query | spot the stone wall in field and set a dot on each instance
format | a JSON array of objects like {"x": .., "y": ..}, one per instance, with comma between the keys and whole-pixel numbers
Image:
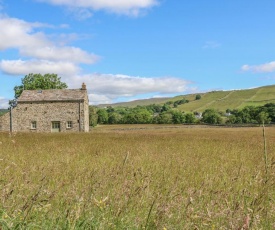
[{"x": 45, "y": 113}]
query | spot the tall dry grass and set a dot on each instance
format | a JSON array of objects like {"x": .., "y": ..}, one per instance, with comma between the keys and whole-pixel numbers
[{"x": 138, "y": 178}]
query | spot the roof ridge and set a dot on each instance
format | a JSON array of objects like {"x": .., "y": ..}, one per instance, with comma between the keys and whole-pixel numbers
[{"x": 53, "y": 95}]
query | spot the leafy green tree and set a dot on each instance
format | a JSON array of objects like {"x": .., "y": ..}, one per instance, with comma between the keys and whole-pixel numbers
[
  {"x": 138, "y": 116},
  {"x": 93, "y": 117},
  {"x": 211, "y": 116},
  {"x": 270, "y": 109},
  {"x": 190, "y": 118},
  {"x": 144, "y": 117},
  {"x": 39, "y": 81},
  {"x": 164, "y": 118},
  {"x": 198, "y": 97},
  {"x": 180, "y": 102},
  {"x": 154, "y": 108},
  {"x": 177, "y": 117},
  {"x": 102, "y": 116},
  {"x": 114, "y": 118},
  {"x": 165, "y": 107},
  {"x": 110, "y": 109},
  {"x": 263, "y": 118},
  {"x": 231, "y": 119}
]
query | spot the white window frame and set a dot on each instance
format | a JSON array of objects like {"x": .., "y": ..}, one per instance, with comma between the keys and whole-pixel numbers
[
  {"x": 69, "y": 124},
  {"x": 33, "y": 125}
]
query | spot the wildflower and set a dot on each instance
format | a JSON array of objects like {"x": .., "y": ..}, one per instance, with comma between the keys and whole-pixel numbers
[{"x": 101, "y": 203}]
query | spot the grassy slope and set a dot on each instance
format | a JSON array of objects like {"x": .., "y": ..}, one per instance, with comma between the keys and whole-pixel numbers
[
  {"x": 220, "y": 100},
  {"x": 3, "y": 111},
  {"x": 146, "y": 178}
]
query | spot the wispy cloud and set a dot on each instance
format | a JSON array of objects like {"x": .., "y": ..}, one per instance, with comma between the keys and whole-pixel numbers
[
  {"x": 21, "y": 67},
  {"x": 263, "y": 68},
  {"x": 126, "y": 7},
  {"x": 108, "y": 87},
  {"x": 211, "y": 45},
  {"x": 80, "y": 14},
  {"x": 54, "y": 53}
]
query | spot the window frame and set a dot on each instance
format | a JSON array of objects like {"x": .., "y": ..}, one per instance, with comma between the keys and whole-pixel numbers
[
  {"x": 69, "y": 124},
  {"x": 33, "y": 125}
]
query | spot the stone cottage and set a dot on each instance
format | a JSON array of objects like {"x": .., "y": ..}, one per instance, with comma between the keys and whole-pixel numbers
[{"x": 51, "y": 110}]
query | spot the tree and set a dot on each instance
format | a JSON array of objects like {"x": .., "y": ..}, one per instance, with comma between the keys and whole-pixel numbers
[
  {"x": 165, "y": 107},
  {"x": 211, "y": 116},
  {"x": 138, "y": 116},
  {"x": 262, "y": 118},
  {"x": 198, "y": 97},
  {"x": 178, "y": 117},
  {"x": 102, "y": 116},
  {"x": 39, "y": 81},
  {"x": 114, "y": 118},
  {"x": 93, "y": 116},
  {"x": 190, "y": 118},
  {"x": 164, "y": 118}
]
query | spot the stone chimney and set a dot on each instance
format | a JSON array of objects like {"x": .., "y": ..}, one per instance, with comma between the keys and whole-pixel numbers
[{"x": 83, "y": 86}]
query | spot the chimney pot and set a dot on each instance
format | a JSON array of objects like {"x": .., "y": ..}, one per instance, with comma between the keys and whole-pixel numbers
[{"x": 83, "y": 86}]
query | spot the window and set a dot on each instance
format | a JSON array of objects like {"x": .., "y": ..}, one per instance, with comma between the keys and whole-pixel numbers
[
  {"x": 69, "y": 124},
  {"x": 33, "y": 125}
]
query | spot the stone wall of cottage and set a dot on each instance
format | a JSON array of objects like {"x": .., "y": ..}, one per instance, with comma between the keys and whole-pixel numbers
[
  {"x": 44, "y": 113},
  {"x": 86, "y": 115},
  {"x": 5, "y": 122}
]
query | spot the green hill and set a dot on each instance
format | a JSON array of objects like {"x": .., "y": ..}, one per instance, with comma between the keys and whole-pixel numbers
[
  {"x": 3, "y": 111},
  {"x": 221, "y": 100}
]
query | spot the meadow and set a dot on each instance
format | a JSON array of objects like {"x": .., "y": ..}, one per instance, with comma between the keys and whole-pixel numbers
[{"x": 139, "y": 177}]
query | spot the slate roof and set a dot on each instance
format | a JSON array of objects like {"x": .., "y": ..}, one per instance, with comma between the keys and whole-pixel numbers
[{"x": 52, "y": 95}]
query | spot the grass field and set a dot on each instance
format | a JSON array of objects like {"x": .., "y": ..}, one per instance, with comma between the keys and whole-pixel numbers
[{"x": 139, "y": 177}]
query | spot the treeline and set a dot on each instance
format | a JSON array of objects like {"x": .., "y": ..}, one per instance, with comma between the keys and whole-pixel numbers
[
  {"x": 169, "y": 114},
  {"x": 252, "y": 114}
]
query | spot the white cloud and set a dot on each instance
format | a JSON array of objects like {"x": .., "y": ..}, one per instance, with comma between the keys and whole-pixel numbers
[
  {"x": 127, "y": 7},
  {"x": 80, "y": 13},
  {"x": 19, "y": 34},
  {"x": 20, "y": 67},
  {"x": 4, "y": 103},
  {"x": 264, "y": 68},
  {"x": 96, "y": 99},
  {"x": 107, "y": 87},
  {"x": 53, "y": 53},
  {"x": 45, "y": 54},
  {"x": 16, "y": 33}
]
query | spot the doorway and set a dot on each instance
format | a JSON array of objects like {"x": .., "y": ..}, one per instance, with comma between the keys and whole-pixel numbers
[{"x": 55, "y": 126}]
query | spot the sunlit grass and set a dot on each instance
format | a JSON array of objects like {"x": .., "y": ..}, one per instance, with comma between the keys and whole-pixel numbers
[{"x": 134, "y": 177}]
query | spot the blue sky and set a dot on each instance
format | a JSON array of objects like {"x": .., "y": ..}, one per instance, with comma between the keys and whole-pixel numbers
[{"x": 130, "y": 49}]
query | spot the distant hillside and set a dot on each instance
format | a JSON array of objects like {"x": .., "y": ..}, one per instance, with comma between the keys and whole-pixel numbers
[
  {"x": 220, "y": 100},
  {"x": 3, "y": 111},
  {"x": 135, "y": 103}
]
